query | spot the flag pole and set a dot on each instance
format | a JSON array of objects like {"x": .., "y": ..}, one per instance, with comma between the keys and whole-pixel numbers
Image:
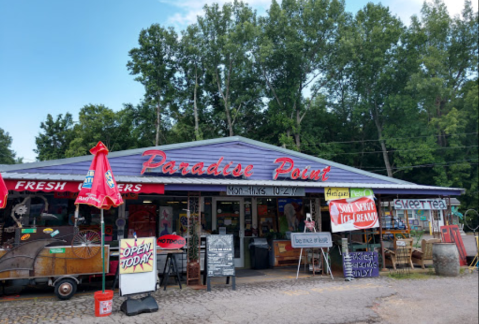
[{"x": 102, "y": 252}]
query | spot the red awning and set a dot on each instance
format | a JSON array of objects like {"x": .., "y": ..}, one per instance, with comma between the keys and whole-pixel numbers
[{"x": 75, "y": 186}]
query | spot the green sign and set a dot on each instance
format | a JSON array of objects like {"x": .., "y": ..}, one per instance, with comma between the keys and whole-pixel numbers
[
  {"x": 360, "y": 192},
  {"x": 57, "y": 250},
  {"x": 29, "y": 230}
]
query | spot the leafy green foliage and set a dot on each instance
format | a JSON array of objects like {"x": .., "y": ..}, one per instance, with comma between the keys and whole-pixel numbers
[
  {"x": 363, "y": 90},
  {"x": 7, "y": 155},
  {"x": 56, "y": 136}
]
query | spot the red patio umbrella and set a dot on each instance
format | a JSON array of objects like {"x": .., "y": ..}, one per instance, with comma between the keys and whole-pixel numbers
[
  {"x": 3, "y": 193},
  {"x": 100, "y": 190}
]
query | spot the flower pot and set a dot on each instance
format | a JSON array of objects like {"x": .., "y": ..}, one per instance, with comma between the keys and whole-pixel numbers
[{"x": 445, "y": 259}]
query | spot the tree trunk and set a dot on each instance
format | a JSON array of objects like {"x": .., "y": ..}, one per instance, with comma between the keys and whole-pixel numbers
[
  {"x": 228, "y": 117},
  {"x": 197, "y": 129},
  {"x": 157, "y": 124},
  {"x": 297, "y": 136},
  {"x": 383, "y": 144}
]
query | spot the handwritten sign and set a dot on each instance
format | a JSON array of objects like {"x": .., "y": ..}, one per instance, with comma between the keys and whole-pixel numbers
[
  {"x": 422, "y": 204},
  {"x": 353, "y": 214},
  {"x": 360, "y": 192},
  {"x": 136, "y": 256},
  {"x": 363, "y": 264},
  {"x": 336, "y": 193},
  {"x": 311, "y": 240},
  {"x": 220, "y": 254}
]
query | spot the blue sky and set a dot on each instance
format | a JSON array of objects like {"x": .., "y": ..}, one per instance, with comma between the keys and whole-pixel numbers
[{"x": 57, "y": 56}]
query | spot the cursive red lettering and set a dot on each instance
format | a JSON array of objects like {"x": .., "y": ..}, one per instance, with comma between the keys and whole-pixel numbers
[
  {"x": 213, "y": 168},
  {"x": 225, "y": 169},
  {"x": 248, "y": 171},
  {"x": 295, "y": 174},
  {"x": 282, "y": 169},
  {"x": 325, "y": 172},
  {"x": 184, "y": 168},
  {"x": 149, "y": 163},
  {"x": 237, "y": 171},
  {"x": 198, "y": 168},
  {"x": 169, "y": 167}
]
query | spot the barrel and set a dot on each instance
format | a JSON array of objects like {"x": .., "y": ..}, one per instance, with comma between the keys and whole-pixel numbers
[{"x": 445, "y": 259}]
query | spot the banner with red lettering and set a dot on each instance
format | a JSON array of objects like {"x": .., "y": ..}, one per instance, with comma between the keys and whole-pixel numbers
[
  {"x": 75, "y": 186},
  {"x": 353, "y": 214}
]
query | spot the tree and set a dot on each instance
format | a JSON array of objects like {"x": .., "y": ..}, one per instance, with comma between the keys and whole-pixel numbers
[
  {"x": 99, "y": 123},
  {"x": 296, "y": 53},
  {"x": 227, "y": 35},
  {"x": 54, "y": 139},
  {"x": 154, "y": 61},
  {"x": 7, "y": 155},
  {"x": 378, "y": 68},
  {"x": 192, "y": 69}
]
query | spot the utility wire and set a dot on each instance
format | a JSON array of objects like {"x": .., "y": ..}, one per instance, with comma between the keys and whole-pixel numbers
[
  {"x": 386, "y": 139},
  {"x": 391, "y": 151},
  {"x": 445, "y": 163},
  {"x": 420, "y": 166}
]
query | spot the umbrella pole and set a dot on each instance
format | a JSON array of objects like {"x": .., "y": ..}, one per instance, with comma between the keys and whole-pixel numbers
[{"x": 102, "y": 252}]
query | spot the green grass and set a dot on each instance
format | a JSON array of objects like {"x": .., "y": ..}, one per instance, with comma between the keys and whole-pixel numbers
[{"x": 411, "y": 275}]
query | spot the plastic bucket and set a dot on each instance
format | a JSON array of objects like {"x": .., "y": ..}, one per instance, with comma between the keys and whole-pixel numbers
[{"x": 103, "y": 303}]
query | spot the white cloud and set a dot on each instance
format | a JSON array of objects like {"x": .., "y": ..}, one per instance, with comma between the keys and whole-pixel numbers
[
  {"x": 190, "y": 9},
  {"x": 405, "y": 9}
]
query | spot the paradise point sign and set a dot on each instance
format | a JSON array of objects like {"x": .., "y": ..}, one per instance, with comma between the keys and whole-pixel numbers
[{"x": 285, "y": 169}]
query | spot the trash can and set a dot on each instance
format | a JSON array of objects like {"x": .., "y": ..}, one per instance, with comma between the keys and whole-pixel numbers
[{"x": 259, "y": 253}]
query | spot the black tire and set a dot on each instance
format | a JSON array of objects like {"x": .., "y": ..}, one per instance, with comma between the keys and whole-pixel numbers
[{"x": 65, "y": 288}]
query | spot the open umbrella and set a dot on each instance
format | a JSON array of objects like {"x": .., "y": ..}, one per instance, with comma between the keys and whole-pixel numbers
[
  {"x": 3, "y": 193},
  {"x": 100, "y": 190}
]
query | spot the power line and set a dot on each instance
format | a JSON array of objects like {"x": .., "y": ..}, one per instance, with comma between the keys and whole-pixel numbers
[
  {"x": 420, "y": 166},
  {"x": 392, "y": 151},
  {"x": 386, "y": 139},
  {"x": 445, "y": 163}
]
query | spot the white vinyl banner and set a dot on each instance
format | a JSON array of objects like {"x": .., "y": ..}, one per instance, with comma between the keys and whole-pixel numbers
[{"x": 353, "y": 214}]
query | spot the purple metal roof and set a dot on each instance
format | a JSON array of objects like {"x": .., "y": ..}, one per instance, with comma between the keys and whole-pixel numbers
[{"x": 237, "y": 152}]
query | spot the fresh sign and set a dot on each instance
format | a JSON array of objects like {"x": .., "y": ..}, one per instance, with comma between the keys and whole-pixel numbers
[
  {"x": 353, "y": 214},
  {"x": 358, "y": 192}
]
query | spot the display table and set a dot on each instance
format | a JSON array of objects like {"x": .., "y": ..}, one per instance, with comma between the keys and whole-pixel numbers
[{"x": 283, "y": 254}]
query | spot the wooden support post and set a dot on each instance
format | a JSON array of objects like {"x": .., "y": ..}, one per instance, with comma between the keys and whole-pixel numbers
[{"x": 380, "y": 215}]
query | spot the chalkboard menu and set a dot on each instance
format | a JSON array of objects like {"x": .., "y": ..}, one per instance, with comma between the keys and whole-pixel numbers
[
  {"x": 220, "y": 256},
  {"x": 363, "y": 264}
]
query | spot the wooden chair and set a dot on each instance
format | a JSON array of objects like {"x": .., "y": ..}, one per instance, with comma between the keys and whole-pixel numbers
[
  {"x": 405, "y": 246},
  {"x": 424, "y": 255}
]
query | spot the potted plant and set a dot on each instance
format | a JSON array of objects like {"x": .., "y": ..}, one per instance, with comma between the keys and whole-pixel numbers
[{"x": 193, "y": 269}]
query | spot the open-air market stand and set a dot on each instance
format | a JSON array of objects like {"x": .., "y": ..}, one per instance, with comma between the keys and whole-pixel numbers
[{"x": 233, "y": 185}]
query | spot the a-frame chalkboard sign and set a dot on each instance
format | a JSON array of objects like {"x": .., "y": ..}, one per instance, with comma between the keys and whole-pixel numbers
[{"x": 220, "y": 259}]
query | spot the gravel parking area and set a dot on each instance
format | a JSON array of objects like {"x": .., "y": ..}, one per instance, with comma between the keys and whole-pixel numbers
[{"x": 312, "y": 300}]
